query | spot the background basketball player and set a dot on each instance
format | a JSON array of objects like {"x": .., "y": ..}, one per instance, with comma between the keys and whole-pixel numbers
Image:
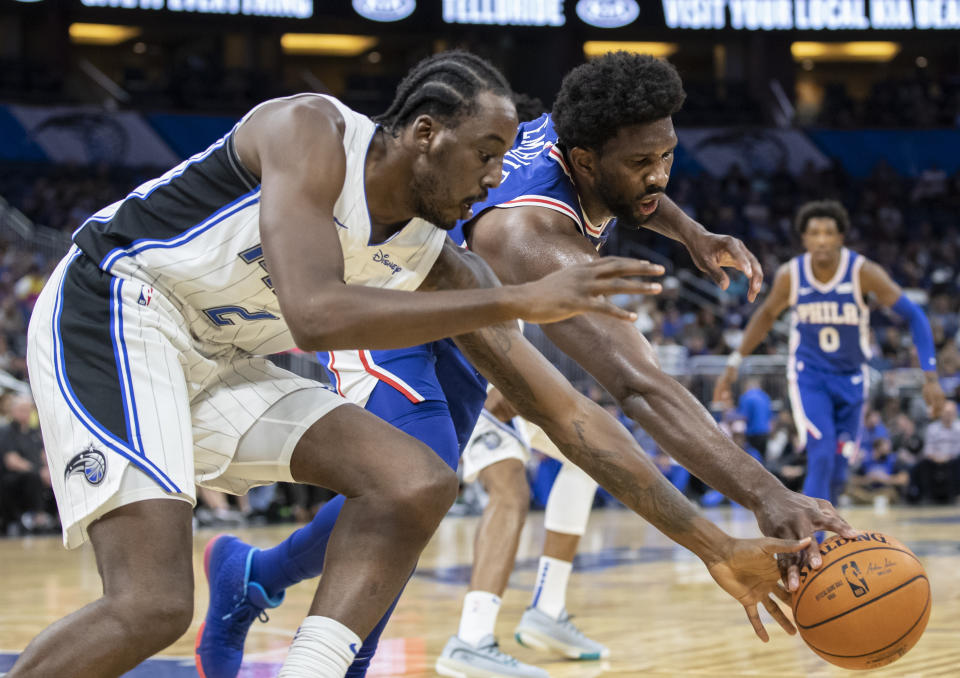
[{"x": 826, "y": 288}]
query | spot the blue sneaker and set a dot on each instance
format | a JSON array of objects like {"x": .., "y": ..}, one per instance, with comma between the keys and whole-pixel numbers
[{"x": 235, "y": 602}]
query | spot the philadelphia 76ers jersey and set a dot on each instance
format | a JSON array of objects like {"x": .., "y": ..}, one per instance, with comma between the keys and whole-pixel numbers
[
  {"x": 193, "y": 234},
  {"x": 830, "y": 325},
  {"x": 535, "y": 174}
]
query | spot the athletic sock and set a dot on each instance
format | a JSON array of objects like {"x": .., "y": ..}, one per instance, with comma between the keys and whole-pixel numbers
[
  {"x": 299, "y": 556},
  {"x": 322, "y": 648},
  {"x": 480, "y": 610},
  {"x": 550, "y": 594}
]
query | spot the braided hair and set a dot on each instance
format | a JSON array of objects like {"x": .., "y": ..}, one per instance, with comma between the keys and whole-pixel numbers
[{"x": 445, "y": 86}]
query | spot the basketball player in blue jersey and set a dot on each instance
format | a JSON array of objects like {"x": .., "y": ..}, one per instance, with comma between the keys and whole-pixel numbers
[
  {"x": 307, "y": 225},
  {"x": 605, "y": 153},
  {"x": 826, "y": 289}
]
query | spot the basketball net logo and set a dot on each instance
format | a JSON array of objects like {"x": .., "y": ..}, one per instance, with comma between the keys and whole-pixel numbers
[{"x": 851, "y": 572}]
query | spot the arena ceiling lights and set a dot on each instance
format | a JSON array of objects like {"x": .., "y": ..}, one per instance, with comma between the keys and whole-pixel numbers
[
  {"x": 327, "y": 44},
  {"x": 102, "y": 34},
  {"x": 595, "y": 48},
  {"x": 845, "y": 51}
]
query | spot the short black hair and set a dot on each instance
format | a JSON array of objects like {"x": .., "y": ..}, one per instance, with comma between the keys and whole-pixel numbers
[
  {"x": 600, "y": 97},
  {"x": 444, "y": 85},
  {"x": 830, "y": 209},
  {"x": 528, "y": 107}
]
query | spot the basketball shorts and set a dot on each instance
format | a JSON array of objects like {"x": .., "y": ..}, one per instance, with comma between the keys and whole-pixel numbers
[
  {"x": 493, "y": 441},
  {"x": 433, "y": 372},
  {"x": 132, "y": 409},
  {"x": 828, "y": 407}
]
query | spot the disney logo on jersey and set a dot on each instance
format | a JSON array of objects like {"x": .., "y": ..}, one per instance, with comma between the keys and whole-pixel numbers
[
  {"x": 90, "y": 463},
  {"x": 384, "y": 258}
]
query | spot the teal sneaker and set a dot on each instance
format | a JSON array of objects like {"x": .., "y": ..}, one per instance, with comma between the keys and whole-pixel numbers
[
  {"x": 462, "y": 660},
  {"x": 540, "y": 631}
]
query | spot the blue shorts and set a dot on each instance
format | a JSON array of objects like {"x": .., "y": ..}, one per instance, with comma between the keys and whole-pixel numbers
[
  {"x": 828, "y": 406},
  {"x": 436, "y": 372}
]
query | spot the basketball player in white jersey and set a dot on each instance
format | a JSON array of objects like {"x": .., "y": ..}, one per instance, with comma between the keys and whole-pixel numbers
[
  {"x": 827, "y": 288},
  {"x": 143, "y": 356}
]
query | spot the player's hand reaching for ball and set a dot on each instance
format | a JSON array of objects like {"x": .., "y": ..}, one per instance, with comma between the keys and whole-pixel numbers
[
  {"x": 585, "y": 287},
  {"x": 712, "y": 253},
  {"x": 748, "y": 571},
  {"x": 791, "y": 515}
]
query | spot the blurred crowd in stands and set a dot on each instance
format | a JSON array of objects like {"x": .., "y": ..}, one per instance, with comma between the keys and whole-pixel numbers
[
  {"x": 920, "y": 101},
  {"x": 909, "y": 226}
]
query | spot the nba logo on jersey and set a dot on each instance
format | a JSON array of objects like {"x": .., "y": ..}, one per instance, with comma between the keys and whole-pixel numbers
[{"x": 146, "y": 295}]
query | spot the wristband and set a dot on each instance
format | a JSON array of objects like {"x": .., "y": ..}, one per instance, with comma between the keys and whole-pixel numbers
[{"x": 734, "y": 360}]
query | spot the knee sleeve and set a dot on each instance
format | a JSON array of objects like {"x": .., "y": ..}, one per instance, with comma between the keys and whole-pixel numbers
[{"x": 571, "y": 498}]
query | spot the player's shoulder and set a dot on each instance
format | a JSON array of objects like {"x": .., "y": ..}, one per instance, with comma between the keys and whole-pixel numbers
[
  {"x": 318, "y": 115},
  {"x": 527, "y": 221},
  {"x": 785, "y": 270}
]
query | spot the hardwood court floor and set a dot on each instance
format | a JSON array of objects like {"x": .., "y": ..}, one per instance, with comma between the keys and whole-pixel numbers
[{"x": 653, "y": 604}]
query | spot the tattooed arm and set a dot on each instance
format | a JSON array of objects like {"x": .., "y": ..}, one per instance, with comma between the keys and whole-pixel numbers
[{"x": 602, "y": 447}]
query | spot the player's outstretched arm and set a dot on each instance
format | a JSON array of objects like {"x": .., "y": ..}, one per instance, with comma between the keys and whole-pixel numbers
[
  {"x": 756, "y": 330},
  {"x": 874, "y": 280},
  {"x": 521, "y": 242},
  {"x": 710, "y": 252},
  {"x": 595, "y": 441},
  {"x": 295, "y": 146}
]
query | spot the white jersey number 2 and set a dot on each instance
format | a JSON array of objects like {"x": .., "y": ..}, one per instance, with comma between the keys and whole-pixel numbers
[{"x": 829, "y": 339}]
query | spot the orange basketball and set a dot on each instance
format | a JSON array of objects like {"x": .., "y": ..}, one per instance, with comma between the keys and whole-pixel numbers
[{"x": 867, "y": 605}]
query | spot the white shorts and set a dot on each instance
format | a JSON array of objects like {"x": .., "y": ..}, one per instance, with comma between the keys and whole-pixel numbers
[
  {"x": 492, "y": 441},
  {"x": 131, "y": 408}
]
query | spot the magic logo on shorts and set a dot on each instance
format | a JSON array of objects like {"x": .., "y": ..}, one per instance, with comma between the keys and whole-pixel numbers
[{"x": 90, "y": 463}]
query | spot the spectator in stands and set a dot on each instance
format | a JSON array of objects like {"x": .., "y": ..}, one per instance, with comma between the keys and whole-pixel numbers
[
  {"x": 948, "y": 364},
  {"x": 11, "y": 363},
  {"x": 935, "y": 476},
  {"x": 907, "y": 443},
  {"x": 26, "y": 499},
  {"x": 754, "y": 407},
  {"x": 881, "y": 474},
  {"x": 785, "y": 459},
  {"x": 873, "y": 430}
]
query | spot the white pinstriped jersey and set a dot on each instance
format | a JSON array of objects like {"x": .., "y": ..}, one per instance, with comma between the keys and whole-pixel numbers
[{"x": 193, "y": 234}]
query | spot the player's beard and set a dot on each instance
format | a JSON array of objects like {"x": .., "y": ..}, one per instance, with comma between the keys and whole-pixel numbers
[
  {"x": 621, "y": 205},
  {"x": 429, "y": 197}
]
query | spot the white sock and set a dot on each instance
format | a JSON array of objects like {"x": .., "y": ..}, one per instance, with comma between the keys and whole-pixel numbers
[
  {"x": 480, "y": 610},
  {"x": 322, "y": 648},
  {"x": 550, "y": 593}
]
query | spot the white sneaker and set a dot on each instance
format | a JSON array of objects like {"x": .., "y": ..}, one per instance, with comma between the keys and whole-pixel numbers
[
  {"x": 462, "y": 660},
  {"x": 540, "y": 631}
]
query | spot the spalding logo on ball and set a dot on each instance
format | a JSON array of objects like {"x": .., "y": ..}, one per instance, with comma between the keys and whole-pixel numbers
[{"x": 867, "y": 605}]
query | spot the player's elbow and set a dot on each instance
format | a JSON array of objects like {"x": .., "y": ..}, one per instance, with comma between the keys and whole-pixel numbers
[{"x": 319, "y": 325}]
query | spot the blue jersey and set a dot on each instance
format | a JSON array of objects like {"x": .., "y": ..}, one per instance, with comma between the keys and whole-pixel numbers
[
  {"x": 830, "y": 326},
  {"x": 535, "y": 174}
]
